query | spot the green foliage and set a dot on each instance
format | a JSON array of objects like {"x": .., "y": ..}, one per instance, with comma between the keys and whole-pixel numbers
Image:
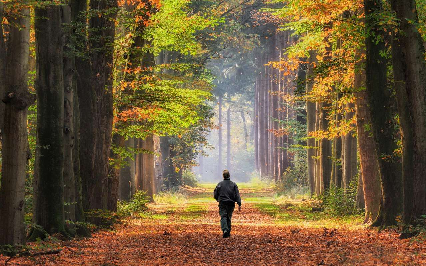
[
  {"x": 338, "y": 202},
  {"x": 189, "y": 179},
  {"x": 136, "y": 205},
  {"x": 174, "y": 28},
  {"x": 12, "y": 251},
  {"x": 170, "y": 198}
]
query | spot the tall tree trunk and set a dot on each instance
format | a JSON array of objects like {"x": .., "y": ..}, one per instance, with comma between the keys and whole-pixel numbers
[
  {"x": 246, "y": 135},
  {"x": 410, "y": 83},
  {"x": 228, "y": 139},
  {"x": 167, "y": 164},
  {"x": 337, "y": 168},
  {"x": 79, "y": 212},
  {"x": 367, "y": 150},
  {"x": 138, "y": 178},
  {"x": 349, "y": 146},
  {"x": 381, "y": 116},
  {"x": 49, "y": 185},
  {"x": 310, "y": 117},
  {"x": 78, "y": 17},
  {"x": 96, "y": 105},
  {"x": 15, "y": 138},
  {"x": 2, "y": 68},
  {"x": 219, "y": 163},
  {"x": 360, "y": 199},
  {"x": 262, "y": 122},
  {"x": 201, "y": 164},
  {"x": 325, "y": 151},
  {"x": 148, "y": 172},
  {"x": 69, "y": 133},
  {"x": 127, "y": 172},
  {"x": 256, "y": 124}
]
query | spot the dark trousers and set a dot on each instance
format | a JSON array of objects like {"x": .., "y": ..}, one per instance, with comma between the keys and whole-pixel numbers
[{"x": 225, "y": 211}]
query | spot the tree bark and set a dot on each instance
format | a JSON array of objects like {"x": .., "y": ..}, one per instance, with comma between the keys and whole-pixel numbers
[
  {"x": 49, "y": 184},
  {"x": 310, "y": 117},
  {"x": 3, "y": 63},
  {"x": 228, "y": 139},
  {"x": 379, "y": 100},
  {"x": 15, "y": 136},
  {"x": 69, "y": 133},
  {"x": 256, "y": 124},
  {"x": 219, "y": 163},
  {"x": 79, "y": 212},
  {"x": 369, "y": 172},
  {"x": 349, "y": 154},
  {"x": 96, "y": 105},
  {"x": 410, "y": 83},
  {"x": 127, "y": 172},
  {"x": 148, "y": 172},
  {"x": 246, "y": 135}
]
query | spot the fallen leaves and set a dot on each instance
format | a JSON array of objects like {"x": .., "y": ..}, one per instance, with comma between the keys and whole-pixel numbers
[{"x": 182, "y": 239}]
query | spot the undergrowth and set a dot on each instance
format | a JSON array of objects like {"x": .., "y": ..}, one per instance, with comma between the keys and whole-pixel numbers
[{"x": 136, "y": 205}]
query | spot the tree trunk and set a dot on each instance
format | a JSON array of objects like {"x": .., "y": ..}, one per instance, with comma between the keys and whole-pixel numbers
[
  {"x": 410, "y": 83},
  {"x": 79, "y": 212},
  {"x": 2, "y": 68},
  {"x": 148, "y": 183},
  {"x": 15, "y": 136},
  {"x": 310, "y": 117},
  {"x": 127, "y": 172},
  {"x": 169, "y": 173},
  {"x": 256, "y": 124},
  {"x": 49, "y": 185},
  {"x": 96, "y": 105},
  {"x": 138, "y": 178},
  {"x": 337, "y": 167},
  {"x": 379, "y": 100},
  {"x": 325, "y": 151},
  {"x": 219, "y": 163},
  {"x": 349, "y": 146},
  {"x": 360, "y": 202},
  {"x": 367, "y": 150},
  {"x": 262, "y": 121},
  {"x": 69, "y": 133},
  {"x": 246, "y": 135},
  {"x": 228, "y": 139}
]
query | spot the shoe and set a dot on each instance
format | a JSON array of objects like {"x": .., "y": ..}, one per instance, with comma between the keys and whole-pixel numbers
[{"x": 226, "y": 234}]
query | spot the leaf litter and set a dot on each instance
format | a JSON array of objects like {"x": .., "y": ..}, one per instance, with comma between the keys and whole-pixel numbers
[{"x": 191, "y": 236}]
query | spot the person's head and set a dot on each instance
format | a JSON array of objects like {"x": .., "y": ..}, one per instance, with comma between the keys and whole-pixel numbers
[{"x": 226, "y": 174}]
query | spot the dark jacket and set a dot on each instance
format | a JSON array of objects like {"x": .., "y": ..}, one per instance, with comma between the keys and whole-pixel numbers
[{"x": 227, "y": 191}]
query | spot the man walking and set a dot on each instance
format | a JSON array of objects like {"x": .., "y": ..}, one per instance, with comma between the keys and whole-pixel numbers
[{"x": 226, "y": 193}]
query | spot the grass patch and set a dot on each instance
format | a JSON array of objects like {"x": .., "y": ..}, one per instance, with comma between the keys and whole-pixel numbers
[
  {"x": 170, "y": 198},
  {"x": 154, "y": 216}
]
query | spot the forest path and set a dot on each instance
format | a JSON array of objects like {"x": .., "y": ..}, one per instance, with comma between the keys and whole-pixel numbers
[{"x": 186, "y": 231}]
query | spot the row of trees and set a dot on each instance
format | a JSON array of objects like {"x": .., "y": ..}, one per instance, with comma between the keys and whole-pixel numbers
[
  {"x": 363, "y": 85},
  {"x": 110, "y": 77}
]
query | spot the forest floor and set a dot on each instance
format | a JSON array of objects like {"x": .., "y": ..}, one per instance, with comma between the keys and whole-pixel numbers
[{"x": 184, "y": 230}]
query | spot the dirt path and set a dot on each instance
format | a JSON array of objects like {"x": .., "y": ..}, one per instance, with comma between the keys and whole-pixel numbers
[{"x": 189, "y": 234}]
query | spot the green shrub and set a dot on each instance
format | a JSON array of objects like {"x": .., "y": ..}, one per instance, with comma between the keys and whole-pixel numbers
[
  {"x": 189, "y": 179},
  {"x": 339, "y": 202},
  {"x": 135, "y": 205}
]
